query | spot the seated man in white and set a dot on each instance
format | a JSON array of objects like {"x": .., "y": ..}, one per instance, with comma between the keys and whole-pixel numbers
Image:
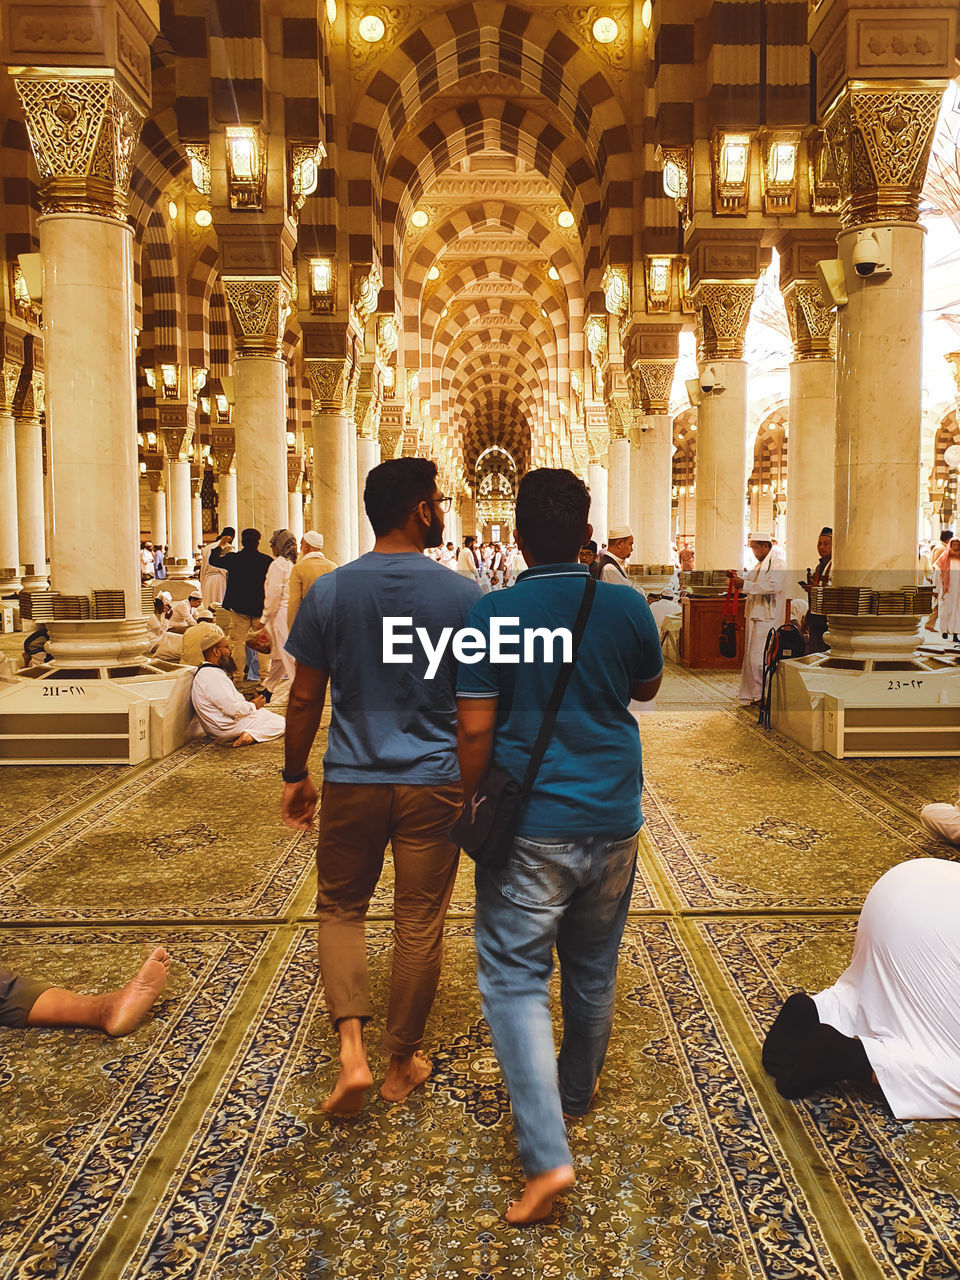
[{"x": 222, "y": 710}]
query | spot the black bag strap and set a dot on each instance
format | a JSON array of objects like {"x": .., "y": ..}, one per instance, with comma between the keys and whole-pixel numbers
[{"x": 559, "y": 689}]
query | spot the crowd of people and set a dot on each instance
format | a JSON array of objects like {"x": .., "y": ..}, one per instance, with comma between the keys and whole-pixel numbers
[{"x": 412, "y": 750}]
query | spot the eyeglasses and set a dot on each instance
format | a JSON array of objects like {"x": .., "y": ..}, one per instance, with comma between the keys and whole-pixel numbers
[{"x": 445, "y": 503}]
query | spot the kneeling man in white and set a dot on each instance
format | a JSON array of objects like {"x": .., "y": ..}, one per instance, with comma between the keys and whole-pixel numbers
[{"x": 222, "y": 710}]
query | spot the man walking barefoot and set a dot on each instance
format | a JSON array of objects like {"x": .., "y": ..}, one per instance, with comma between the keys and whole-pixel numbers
[
  {"x": 568, "y": 879},
  {"x": 390, "y": 771}
]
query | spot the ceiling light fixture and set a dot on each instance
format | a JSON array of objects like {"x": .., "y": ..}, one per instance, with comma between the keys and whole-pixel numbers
[
  {"x": 433, "y": 273},
  {"x": 565, "y": 218},
  {"x": 646, "y": 14},
  {"x": 371, "y": 28},
  {"x": 553, "y": 273},
  {"x": 605, "y": 30},
  {"x": 173, "y": 210},
  {"x": 203, "y": 217},
  {"x": 419, "y": 218}
]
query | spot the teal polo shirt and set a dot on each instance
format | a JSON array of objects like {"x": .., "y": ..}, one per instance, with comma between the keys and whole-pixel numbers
[{"x": 591, "y": 776}]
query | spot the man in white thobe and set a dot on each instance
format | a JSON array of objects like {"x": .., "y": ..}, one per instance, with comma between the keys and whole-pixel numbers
[
  {"x": 222, "y": 710},
  {"x": 765, "y": 591},
  {"x": 184, "y": 613},
  {"x": 469, "y": 562},
  {"x": 613, "y": 562},
  {"x": 213, "y": 581}
]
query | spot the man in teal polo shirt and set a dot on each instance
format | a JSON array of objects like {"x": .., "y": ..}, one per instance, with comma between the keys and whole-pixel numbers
[{"x": 569, "y": 878}]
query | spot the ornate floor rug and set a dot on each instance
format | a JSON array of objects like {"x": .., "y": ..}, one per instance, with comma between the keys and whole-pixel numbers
[
  {"x": 82, "y": 1113},
  {"x": 741, "y": 819},
  {"x": 900, "y": 1180},
  {"x": 675, "y": 1166}
]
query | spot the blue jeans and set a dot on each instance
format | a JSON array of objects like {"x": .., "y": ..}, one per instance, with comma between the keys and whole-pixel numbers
[{"x": 573, "y": 894}]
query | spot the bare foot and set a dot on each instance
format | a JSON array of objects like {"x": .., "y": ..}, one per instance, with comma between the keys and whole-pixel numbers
[
  {"x": 593, "y": 1097},
  {"x": 536, "y": 1203},
  {"x": 243, "y": 741},
  {"x": 349, "y": 1092},
  {"x": 125, "y": 1009},
  {"x": 405, "y": 1073}
]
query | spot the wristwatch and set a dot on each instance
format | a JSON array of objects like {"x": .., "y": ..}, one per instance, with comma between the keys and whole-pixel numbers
[{"x": 294, "y": 777}]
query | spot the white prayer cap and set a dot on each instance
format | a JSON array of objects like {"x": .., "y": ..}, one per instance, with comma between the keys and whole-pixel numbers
[
  {"x": 619, "y": 531},
  {"x": 195, "y": 594},
  {"x": 165, "y": 596},
  {"x": 761, "y": 536},
  {"x": 313, "y": 539},
  {"x": 209, "y": 636},
  {"x": 204, "y": 615}
]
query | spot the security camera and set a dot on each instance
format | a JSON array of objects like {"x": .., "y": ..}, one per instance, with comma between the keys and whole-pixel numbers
[
  {"x": 871, "y": 253},
  {"x": 710, "y": 380}
]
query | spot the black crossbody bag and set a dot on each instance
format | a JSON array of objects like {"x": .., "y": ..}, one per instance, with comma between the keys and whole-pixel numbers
[{"x": 485, "y": 829}]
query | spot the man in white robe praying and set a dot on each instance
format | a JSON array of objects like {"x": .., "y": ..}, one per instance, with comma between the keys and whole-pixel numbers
[
  {"x": 222, "y": 710},
  {"x": 893, "y": 1016}
]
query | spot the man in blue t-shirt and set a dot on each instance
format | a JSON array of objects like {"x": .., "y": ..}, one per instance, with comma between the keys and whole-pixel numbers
[
  {"x": 373, "y": 628},
  {"x": 569, "y": 876}
]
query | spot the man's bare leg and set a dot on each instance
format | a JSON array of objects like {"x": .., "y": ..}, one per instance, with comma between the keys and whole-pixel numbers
[
  {"x": 405, "y": 1073},
  {"x": 536, "y": 1203},
  {"x": 116, "y": 1012},
  {"x": 244, "y": 740},
  {"x": 355, "y": 1079}
]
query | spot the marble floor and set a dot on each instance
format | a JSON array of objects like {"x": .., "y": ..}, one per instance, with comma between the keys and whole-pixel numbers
[{"x": 195, "y": 1148}]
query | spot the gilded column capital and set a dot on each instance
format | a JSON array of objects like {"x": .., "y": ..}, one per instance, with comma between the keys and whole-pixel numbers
[
  {"x": 722, "y": 310},
  {"x": 619, "y": 417},
  {"x": 8, "y": 385},
  {"x": 84, "y": 132},
  {"x": 329, "y": 390},
  {"x": 223, "y": 446},
  {"x": 294, "y": 472},
  {"x": 365, "y": 414},
  {"x": 880, "y": 135},
  {"x": 259, "y": 306},
  {"x": 654, "y": 379},
  {"x": 176, "y": 423},
  {"x": 812, "y": 324},
  {"x": 156, "y": 481}
]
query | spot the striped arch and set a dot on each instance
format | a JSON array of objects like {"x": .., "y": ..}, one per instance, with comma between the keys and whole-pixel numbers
[
  {"x": 160, "y": 158},
  {"x": 486, "y": 36},
  {"x": 221, "y": 332},
  {"x": 19, "y": 191},
  {"x": 517, "y": 375},
  {"x": 525, "y": 371},
  {"x": 494, "y": 417},
  {"x": 486, "y": 387},
  {"x": 199, "y": 288},
  {"x": 490, "y": 123},
  {"x": 158, "y": 267}
]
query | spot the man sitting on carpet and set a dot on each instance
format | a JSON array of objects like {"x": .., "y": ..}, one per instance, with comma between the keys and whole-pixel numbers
[
  {"x": 893, "y": 1016},
  {"x": 27, "y": 1002},
  {"x": 222, "y": 710}
]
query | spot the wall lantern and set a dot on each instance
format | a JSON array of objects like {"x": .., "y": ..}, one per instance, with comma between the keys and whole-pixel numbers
[
  {"x": 169, "y": 381},
  {"x": 778, "y": 173},
  {"x": 305, "y": 160},
  {"x": 731, "y": 172},
  {"x": 616, "y": 290},
  {"x": 675, "y": 164},
  {"x": 246, "y": 167},
  {"x": 198, "y": 154},
  {"x": 323, "y": 286},
  {"x": 658, "y": 273}
]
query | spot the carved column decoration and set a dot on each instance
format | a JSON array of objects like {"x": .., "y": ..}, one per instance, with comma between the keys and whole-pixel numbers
[
  {"x": 655, "y": 379},
  {"x": 8, "y": 385},
  {"x": 223, "y": 446},
  {"x": 722, "y": 310},
  {"x": 84, "y": 132},
  {"x": 156, "y": 481},
  {"x": 259, "y": 306},
  {"x": 294, "y": 472},
  {"x": 328, "y": 385},
  {"x": 880, "y": 138},
  {"x": 812, "y": 325}
]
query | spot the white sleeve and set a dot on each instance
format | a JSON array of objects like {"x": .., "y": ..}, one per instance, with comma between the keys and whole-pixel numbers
[{"x": 272, "y": 589}]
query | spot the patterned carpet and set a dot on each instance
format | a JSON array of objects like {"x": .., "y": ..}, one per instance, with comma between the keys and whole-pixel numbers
[{"x": 195, "y": 1148}]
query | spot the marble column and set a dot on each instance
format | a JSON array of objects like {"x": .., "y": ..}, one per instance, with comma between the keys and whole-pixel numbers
[
  {"x": 158, "y": 508},
  {"x": 258, "y": 306},
  {"x": 652, "y": 496},
  {"x": 597, "y": 484},
  {"x": 196, "y": 505},
  {"x": 618, "y": 485},
  {"x": 181, "y": 520},
  {"x": 227, "y": 489},
  {"x": 722, "y": 310},
  {"x": 368, "y": 457},
  {"x": 810, "y": 471},
  {"x": 31, "y": 517},
  {"x": 295, "y": 513},
  {"x": 9, "y": 535},
  {"x": 353, "y": 499},
  {"x": 334, "y": 514}
]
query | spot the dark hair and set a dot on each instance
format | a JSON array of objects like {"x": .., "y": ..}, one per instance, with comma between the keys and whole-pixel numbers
[
  {"x": 947, "y": 535},
  {"x": 393, "y": 490},
  {"x": 590, "y": 546},
  {"x": 468, "y": 538},
  {"x": 250, "y": 538},
  {"x": 228, "y": 532},
  {"x": 552, "y": 509}
]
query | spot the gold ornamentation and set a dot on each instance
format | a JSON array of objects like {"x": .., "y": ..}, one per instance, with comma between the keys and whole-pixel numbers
[
  {"x": 390, "y": 443},
  {"x": 156, "y": 481},
  {"x": 597, "y": 444},
  {"x": 328, "y": 384},
  {"x": 8, "y": 387},
  {"x": 84, "y": 133},
  {"x": 366, "y": 289},
  {"x": 616, "y": 290},
  {"x": 811, "y": 323},
  {"x": 294, "y": 472},
  {"x": 619, "y": 417},
  {"x": 616, "y": 53},
  {"x": 34, "y": 396},
  {"x": 880, "y": 141},
  {"x": 655, "y": 379},
  {"x": 824, "y": 183},
  {"x": 259, "y": 306},
  {"x": 722, "y": 311},
  {"x": 198, "y": 153},
  {"x": 677, "y": 166},
  {"x": 176, "y": 443}
]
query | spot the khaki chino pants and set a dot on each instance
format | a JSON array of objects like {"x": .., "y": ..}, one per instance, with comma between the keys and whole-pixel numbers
[{"x": 357, "y": 821}]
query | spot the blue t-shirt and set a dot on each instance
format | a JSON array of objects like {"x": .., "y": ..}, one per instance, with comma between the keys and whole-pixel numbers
[
  {"x": 389, "y": 722},
  {"x": 591, "y": 776}
]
